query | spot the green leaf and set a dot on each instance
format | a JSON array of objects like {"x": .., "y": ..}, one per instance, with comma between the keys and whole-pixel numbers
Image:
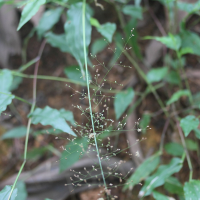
[
  {"x": 188, "y": 124},
  {"x": 173, "y": 186},
  {"x": 159, "y": 177},
  {"x": 173, "y": 77},
  {"x": 17, "y": 80},
  {"x": 191, "y": 144},
  {"x": 98, "y": 45},
  {"x": 143, "y": 171},
  {"x": 159, "y": 196},
  {"x": 72, "y": 152},
  {"x": 191, "y": 190},
  {"x": 50, "y": 116},
  {"x": 21, "y": 191},
  {"x": 185, "y": 50},
  {"x": 197, "y": 133},
  {"x": 177, "y": 95},
  {"x": 58, "y": 41},
  {"x": 74, "y": 73},
  {"x": 134, "y": 11},
  {"x": 17, "y": 132},
  {"x": 189, "y": 7},
  {"x": 4, "y": 194},
  {"x": 107, "y": 30},
  {"x": 68, "y": 115},
  {"x": 122, "y": 101},
  {"x": 190, "y": 40},
  {"x": 174, "y": 149},
  {"x": 74, "y": 32},
  {"x": 94, "y": 22},
  {"x": 6, "y": 79},
  {"x": 155, "y": 75},
  {"x": 5, "y": 99},
  {"x": 171, "y": 41},
  {"x": 144, "y": 122},
  {"x": 48, "y": 20},
  {"x": 29, "y": 11},
  {"x": 36, "y": 153},
  {"x": 196, "y": 99}
]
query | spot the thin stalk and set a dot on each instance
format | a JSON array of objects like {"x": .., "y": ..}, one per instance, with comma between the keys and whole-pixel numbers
[
  {"x": 88, "y": 88},
  {"x": 29, "y": 121}
]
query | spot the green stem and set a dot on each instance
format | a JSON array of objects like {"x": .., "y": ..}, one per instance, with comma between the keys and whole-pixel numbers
[{"x": 88, "y": 88}]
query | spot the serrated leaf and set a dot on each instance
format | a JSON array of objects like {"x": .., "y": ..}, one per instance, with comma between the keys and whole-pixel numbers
[
  {"x": 48, "y": 20},
  {"x": 29, "y": 11},
  {"x": 74, "y": 32},
  {"x": 159, "y": 177},
  {"x": 177, "y": 95},
  {"x": 5, "y": 100},
  {"x": 155, "y": 75},
  {"x": 159, "y": 196},
  {"x": 192, "y": 190},
  {"x": 17, "y": 132},
  {"x": 143, "y": 171},
  {"x": 50, "y": 116},
  {"x": 188, "y": 124},
  {"x": 4, "y": 194},
  {"x": 98, "y": 45},
  {"x": 68, "y": 115},
  {"x": 134, "y": 11},
  {"x": 173, "y": 186},
  {"x": 107, "y": 30},
  {"x": 58, "y": 41},
  {"x": 21, "y": 191},
  {"x": 173, "y": 77},
  {"x": 122, "y": 101},
  {"x": 73, "y": 152},
  {"x": 74, "y": 73},
  {"x": 174, "y": 149},
  {"x": 171, "y": 41},
  {"x": 191, "y": 145},
  {"x": 190, "y": 40}
]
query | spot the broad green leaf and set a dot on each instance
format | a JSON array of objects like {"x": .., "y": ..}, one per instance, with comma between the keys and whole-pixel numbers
[
  {"x": 5, "y": 99},
  {"x": 74, "y": 73},
  {"x": 73, "y": 152},
  {"x": 191, "y": 144},
  {"x": 144, "y": 122},
  {"x": 155, "y": 75},
  {"x": 134, "y": 11},
  {"x": 188, "y": 124},
  {"x": 50, "y": 116},
  {"x": 68, "y": 115},
  {"x": 94, "y": 22},
  {"x": 177, "y": 95},
  {"x": 184, "y": 51},
  {"x": 17, "y": 132},
  {"x": 107, "y": 30},
  {"x": 173, "y": 77},
  {"x": 48, "y": 20},
  {"x": 58, "y": 41},
  {"x": 159, "y": 196},
  {"x": 174, "y": 149},
  {"x": 17, "y": 80},
  {"x": 122, "y": 101},
  {"x": 98, "y": 45},
  {"x": 74, "y": 32},
  {"x": 189, "y": 7},
  {"x": 173, "y": 186},
  {"x": 197, "y": 133},
  {"x": 143, "y": 171},
  {"x": 171, "y": 41},
  {"x": 6, "y": 79},
  {"x": 21, "y": 191},
  {"x": 4, "y": 194},
  {"x": 190, "y": 40},
  {"x": 29, "y": 11},
  {"x": 192, "y": 190},
  {"x": 159, "y": 177}
]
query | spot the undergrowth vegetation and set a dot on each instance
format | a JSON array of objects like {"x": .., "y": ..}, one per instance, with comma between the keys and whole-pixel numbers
[{"x": 102, "y": 150}]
